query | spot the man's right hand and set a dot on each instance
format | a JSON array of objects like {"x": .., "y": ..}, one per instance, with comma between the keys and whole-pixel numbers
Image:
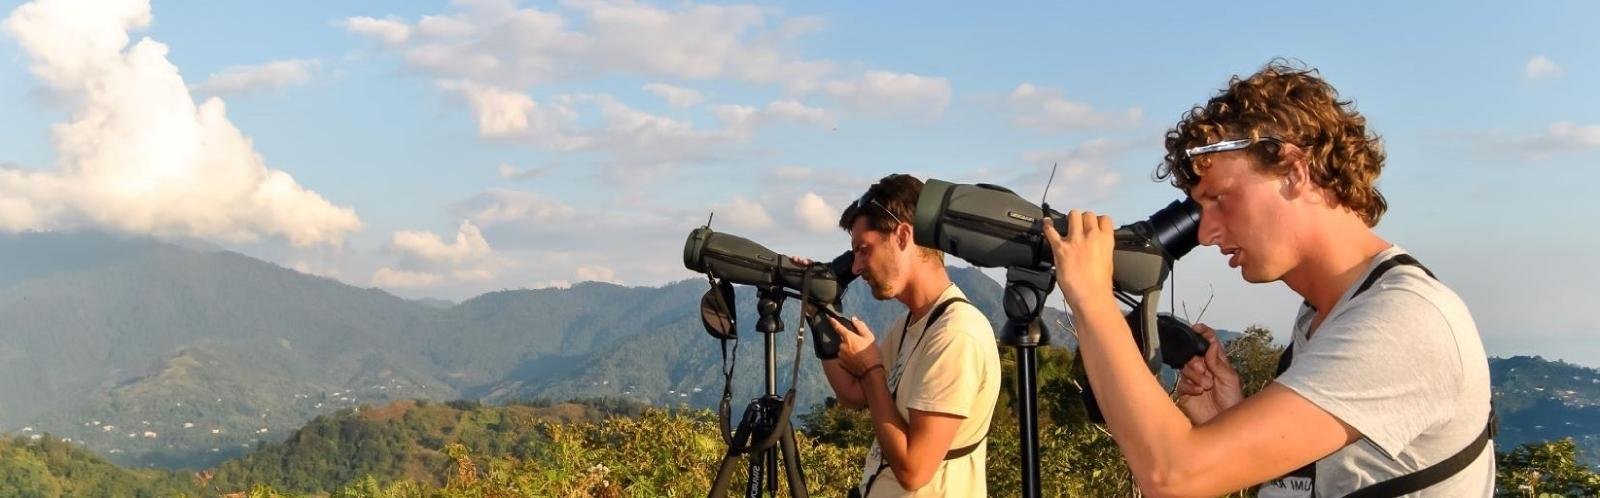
[{"x": 1208, "y": 384}]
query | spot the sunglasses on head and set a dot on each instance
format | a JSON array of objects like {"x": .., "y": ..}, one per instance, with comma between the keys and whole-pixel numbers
[
  {"x": 1227, "y": 145},
  {"x": 866, "y": 199}
]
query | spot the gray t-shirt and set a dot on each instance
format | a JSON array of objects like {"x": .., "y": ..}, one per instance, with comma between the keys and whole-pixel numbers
[{"x": 1402, "y": 363}]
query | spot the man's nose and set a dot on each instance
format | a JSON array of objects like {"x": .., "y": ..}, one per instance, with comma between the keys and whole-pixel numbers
[{"x": 1210, "y": 231}]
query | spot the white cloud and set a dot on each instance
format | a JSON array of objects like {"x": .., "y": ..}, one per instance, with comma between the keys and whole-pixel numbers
[
  {"x": 497, "y": 206},
  {"x": 1083, "y": 173},
  {"x": 391, "y": 31},
  {"x": 427, "y": 260},
  {"x": 238, "y": 80},
  {"x": 595, "y": 273},
  {"x": 508, "y": 171},
  {"x": 1558, "y": 138},
  {"x": 745, "y": 214},
  {"x": 676, "y": 96},
  {"x": 495, "y": 42},
  {"x": 393, "y": 278},
  {"x": 742, "y": 120},
  {"x": 815, "y": 214},
  {"x": 469, "y": 245},
  {"x": 139, "y": 155},
  {"x": 1046, "y": 109},
  {"x": 510, "y": 114},
  {"x": 1542, "y": 68},
  {"x": 883, "y": 92}
]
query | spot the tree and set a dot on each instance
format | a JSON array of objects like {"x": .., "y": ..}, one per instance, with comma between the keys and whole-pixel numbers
[{"x": 1543, "y": 469}]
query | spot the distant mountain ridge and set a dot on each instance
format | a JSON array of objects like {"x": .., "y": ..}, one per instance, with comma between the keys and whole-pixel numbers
[
  {"x": 155, "y": 354},
  {"x": 152, "y": 354}
]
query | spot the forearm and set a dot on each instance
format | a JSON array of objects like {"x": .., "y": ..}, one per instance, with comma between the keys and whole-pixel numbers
[
  {"x": 1150, "y": 430},
  {"x": 912, "y": 465},
  {"x": 846, "y": 387}
]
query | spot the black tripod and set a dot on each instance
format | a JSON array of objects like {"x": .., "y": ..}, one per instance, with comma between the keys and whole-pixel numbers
[
  {"x": 764, "y": 429},
  {"x": 1025, "y": 293}
]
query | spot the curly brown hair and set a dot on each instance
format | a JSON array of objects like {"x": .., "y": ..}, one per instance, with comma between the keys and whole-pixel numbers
[{"x": 1293, "y": 104}]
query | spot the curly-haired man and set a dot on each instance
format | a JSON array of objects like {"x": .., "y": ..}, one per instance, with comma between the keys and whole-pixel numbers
[{"x": 1385, "y": 387}]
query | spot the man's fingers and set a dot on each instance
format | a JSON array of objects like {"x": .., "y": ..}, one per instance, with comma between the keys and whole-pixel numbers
[
  {"x": 1074, "y": 225},
  {"x": 1105, "y": 223},
  {"x": 1050, "y": 234}
]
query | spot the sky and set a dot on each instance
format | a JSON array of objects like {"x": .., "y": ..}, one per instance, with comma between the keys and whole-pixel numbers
[{"x": 447, "y": 149}]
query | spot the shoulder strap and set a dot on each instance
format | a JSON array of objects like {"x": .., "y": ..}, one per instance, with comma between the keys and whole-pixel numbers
[
  {"x": 1433, "y": 474},
  {"x": 933, "y": 316},
  {"x": 1287, "y": 357}
]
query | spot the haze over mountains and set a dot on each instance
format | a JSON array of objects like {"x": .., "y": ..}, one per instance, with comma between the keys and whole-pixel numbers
[{"x": 152, "y": 354}]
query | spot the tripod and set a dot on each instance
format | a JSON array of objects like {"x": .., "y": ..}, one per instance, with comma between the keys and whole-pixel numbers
[
  {"x": 764, "y": 430},
  {"x": 1024, "y": 331}
]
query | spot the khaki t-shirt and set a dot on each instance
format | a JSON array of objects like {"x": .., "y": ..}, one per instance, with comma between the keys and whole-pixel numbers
[{"x": 954, "y": 370}]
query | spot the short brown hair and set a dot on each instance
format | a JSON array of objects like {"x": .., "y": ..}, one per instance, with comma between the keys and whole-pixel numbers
[
  {"x": 1295, "y": 105},
  {"x": 895, "y": 194}
]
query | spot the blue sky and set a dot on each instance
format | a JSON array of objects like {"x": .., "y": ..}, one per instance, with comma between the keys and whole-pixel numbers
[{"x": 447, "y": 149}]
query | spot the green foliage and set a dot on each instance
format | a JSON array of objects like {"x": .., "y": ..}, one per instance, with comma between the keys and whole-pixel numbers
[
  {"x": 48, "y": 468},
  {"x": 1550, "y": 468}
]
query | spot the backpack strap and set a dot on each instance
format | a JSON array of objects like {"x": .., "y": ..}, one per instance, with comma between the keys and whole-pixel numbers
[
  {"x": 953, "y": 454},
  {"x": 1433, "y": 474}
]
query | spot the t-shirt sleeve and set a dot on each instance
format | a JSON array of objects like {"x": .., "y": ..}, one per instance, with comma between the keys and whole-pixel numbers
[
  {"x": 1388, "y": 367},
  {"x": 951, "y": 375}
]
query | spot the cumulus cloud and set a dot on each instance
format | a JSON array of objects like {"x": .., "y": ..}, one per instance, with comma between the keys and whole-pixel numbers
[
  {"x": 744, "y": 213},
  {"x": 427, "y": 260},
  {"x": 882, "y": 92},
  {"x": 138, "y": 154},
  {"x": 742, "y": 120},
  {"x": 497, "y": 206},
  {"x": 390, "y": 31},
  {"x": 1083, "y": 174},
  {"x": 240, "y": 80},
  {"x": 675, "y": 96},
  {"x": 428, "y": 247},
  {"x": 510, "y": 172},
  {"x": 1559, "y": 138},
  {"x": 498, "y": 43},
  {"x": 1541, "y": 68},
  {"x": 387, "y": 277},
  {"x": 595, "y": 273},
  {"x": 815, "y": 214},
  {"x": 1046, "y": 109}
]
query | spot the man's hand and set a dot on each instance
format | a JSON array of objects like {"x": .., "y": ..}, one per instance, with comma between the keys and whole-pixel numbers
[
  {"x": 1082, "y": 255},
  {"x": 858, "y": 349},
  {"x": 1208, "y": 384}
]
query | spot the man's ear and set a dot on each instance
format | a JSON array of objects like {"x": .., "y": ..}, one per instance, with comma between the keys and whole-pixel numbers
[
  {"x": 1297, "y": 176},
  {"x": 902, "y": 236}
]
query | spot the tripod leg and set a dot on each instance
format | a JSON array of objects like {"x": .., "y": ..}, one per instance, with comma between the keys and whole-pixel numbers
[
  {"x": 1027, "y": 395},
  {"x": 752, "y": 487},
  {"x": 772, "y": 470},
  {"x": 792, "y": 467},
  {"x": 719, "y": 486}
]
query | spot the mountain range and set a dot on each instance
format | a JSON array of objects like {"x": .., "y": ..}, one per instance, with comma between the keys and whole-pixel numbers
[{"x": 159, "y": 355}]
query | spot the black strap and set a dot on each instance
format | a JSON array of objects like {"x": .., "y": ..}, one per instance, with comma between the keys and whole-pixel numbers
[
  {"x": 933, "y": 316},
  {"x": 1433, "y": 474}
]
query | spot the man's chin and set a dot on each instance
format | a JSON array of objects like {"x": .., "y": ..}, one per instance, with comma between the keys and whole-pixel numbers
[{"x": 882, "y": 293}]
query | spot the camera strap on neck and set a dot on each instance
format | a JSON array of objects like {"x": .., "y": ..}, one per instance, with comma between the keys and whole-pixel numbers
[
  {"x": 900, "y": 358},
  {"x": 1422, "y": 479}
]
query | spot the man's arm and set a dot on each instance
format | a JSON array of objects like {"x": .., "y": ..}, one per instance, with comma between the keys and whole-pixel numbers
[
  {"x": 914, "y": 450},
  {"x": 846, "y": 387},
  {"x": 1265, "y": 436}
]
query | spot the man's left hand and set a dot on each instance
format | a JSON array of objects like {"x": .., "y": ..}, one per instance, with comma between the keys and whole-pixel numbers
[{"x": 858, "y": 348}]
